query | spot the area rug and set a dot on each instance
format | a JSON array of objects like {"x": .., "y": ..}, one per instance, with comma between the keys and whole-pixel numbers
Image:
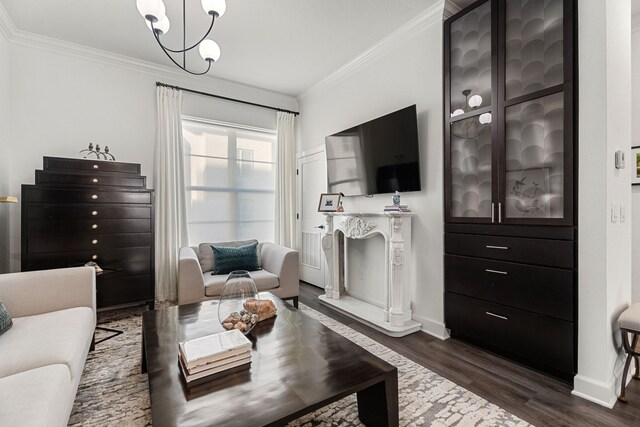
[{"x": 113, "y": 392}]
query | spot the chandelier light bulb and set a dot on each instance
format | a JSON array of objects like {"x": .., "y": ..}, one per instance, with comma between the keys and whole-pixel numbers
[
  {"x": 214, "y": 7},
  {"x": 151, "y": 10},
  {"x": 209, "y": 50},
  {"x": 485, "y": 118},
  {"x": 457, "y": 112},
  {"x": 160, "y": 27},
  {"x": 475, "y": 101}
]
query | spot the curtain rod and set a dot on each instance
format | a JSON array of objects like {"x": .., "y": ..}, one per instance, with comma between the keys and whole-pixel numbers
[{"x": 295, "y": 113}]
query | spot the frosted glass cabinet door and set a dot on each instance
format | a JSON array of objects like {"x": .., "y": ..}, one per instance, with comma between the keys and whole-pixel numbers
[
  {"x": 534, "y": 156},
  {"x": 470, "y": 168},
  {"x": 470, "y": 60},
  {"x": 534, "y": 46}
]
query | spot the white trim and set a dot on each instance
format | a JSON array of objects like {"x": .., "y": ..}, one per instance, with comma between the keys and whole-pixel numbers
[
  {"x": 7, "y": 26},
  {"x": 417, "y": 25},
  {"x": 594, "y": 391},
  {"x": 450, "y": 9},
  {"x": 432, "y": 327},
  {"x": 310, "y": 152},
  {"x": 228, "y": 125},
  {"x": 635, "y": 23}
]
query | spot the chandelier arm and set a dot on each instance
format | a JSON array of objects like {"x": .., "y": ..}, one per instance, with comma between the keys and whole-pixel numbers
[
  {"x": 213, "y": 19},
  {"x": 180, "y": 66}
]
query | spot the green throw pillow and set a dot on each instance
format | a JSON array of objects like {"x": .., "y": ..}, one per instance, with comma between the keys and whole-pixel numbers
[
  {"x": 227, "y": 259},
  {"x": 5, "y": 319}
]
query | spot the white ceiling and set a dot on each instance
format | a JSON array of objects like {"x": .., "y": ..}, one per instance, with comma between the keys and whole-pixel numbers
[{"x": 281, "y": 45}]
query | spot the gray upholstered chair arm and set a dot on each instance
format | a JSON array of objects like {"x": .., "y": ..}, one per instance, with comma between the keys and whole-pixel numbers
[
  {"x": 36, "y": 292},
  {"x": 282, "y": 262},
  {"x": 190, "y": 280}
]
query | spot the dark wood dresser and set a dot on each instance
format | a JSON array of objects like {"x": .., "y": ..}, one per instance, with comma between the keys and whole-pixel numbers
[{"x": 86, "y": 210}]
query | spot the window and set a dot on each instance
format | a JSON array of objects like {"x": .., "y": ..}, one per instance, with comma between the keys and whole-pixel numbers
[{"x": 230, "y": 181}]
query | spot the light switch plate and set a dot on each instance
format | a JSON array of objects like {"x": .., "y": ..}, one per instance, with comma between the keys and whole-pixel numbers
[
  {"x": 623, "y": 212},
  {"x": 614, "y": 212}
]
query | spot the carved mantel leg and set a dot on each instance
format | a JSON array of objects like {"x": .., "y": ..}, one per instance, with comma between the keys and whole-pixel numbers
[
  {"x": 332, "y": 252},
  {"x": 398, "y": 274}
]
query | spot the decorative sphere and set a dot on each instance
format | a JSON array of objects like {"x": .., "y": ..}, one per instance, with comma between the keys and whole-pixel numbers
[
  {"x": 215, "y": 7},
  {"x": 475, "y": 101},
  {"x": 209, "y": 50},
  {"x": 151, "y": 10},
  {"x": 160, "y": 27}
]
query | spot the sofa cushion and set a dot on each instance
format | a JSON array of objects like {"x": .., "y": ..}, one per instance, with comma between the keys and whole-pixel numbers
[
  {"x": 264, "y": 281},
  {"x": 226, "y": 260},
  {"x": 205, "y": 253},
  {"x": 5, "y": 319},
  {"x": 60, "y": 337},
  {"x": 39, "y": 397}
]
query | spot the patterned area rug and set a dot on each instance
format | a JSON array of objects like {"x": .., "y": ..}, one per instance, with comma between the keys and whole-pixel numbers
[{"x": 113, "y": 392}]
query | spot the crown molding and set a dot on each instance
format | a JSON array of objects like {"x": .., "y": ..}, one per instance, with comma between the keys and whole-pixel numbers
[
  {"x": 223, "y": 87},
  {"x": 450, "y": 9},
  {"x": 417, "y": 25}
]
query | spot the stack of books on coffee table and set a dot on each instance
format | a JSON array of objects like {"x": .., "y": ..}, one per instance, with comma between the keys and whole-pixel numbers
[{"x": 203, "y": 359}]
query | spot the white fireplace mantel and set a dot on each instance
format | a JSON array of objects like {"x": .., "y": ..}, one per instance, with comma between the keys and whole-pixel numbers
[{"x": 394, "y": 318}]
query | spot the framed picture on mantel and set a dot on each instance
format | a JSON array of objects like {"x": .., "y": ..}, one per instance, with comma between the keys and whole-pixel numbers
[
  {"x": 635, "y": 165},
  {"x": 329, "y": 202}
]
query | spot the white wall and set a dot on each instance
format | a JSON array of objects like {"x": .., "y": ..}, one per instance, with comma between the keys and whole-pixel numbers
[
  {"x": 6, "y": 210},
  {"x": 604, "y": 247},
  {"x": 409, "y": 72},
  {"x": 60, "y": 102},
  {"x": 635, "y": 141}
]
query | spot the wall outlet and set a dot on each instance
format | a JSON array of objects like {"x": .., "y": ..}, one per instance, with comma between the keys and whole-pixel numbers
[
  {"x": 614, "y": 212},
  {"x": 361, "y": 274}
]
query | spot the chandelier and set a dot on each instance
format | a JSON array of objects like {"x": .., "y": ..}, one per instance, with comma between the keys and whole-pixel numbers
[
  {"x": 154, "y": 13},
  {"x": 472, "y": 127}
]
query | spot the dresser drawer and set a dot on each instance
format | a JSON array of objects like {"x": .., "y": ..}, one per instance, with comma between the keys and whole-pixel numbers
[
  {"x": 551, "y": 253},
  {"x": 541, "y": 290},
  {"x": 88, "y": 227},
  {"x": 134, "y": 261},
  {"x": 50, "y": 195},
  {"x": 39, "y": 243},
  {"x": 90, "y": 165},
  {"x": 542, "y": 342},
  {"x": 87, "y": 211},
  {"x": 93, "y": 180},
  {"x": 113, "y": 289}
]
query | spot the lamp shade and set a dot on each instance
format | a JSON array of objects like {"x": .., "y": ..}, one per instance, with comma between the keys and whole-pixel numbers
[
  {"x": 160, "y": 27},
  {"x": 475, "y": 101},
  {"x": 209, "y": 50},
  {"x": 215, "y": 7},
  {"x": 151, "y": 10},
  {"x": 8, "y": 199},
  {"x": 485, "y": 118},
  {"x": 457, "y": 112}
]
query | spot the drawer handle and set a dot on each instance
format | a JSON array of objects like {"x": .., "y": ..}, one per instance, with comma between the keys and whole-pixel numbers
[
  {"x": 94, "y": 257},
  {"x": 496, "y": 271},
  {"x": 95, "y": 166},
  {"x": 497, "y": 247},
  {"x": 94, "y": 213},
  {"x": 94, "y": 226},
  {"x": 94, "y": 196},
  {"x": 94, "y": 180},
  {"x": 94, "y": 241},
  {"x": 496, "y": 315}
]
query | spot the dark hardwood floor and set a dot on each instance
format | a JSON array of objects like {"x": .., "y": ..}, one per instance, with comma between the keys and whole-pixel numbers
[{"x": 534, "y": 397}]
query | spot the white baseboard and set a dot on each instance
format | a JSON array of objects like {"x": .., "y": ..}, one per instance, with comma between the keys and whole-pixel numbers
[
  {"x": 432, "y": 327},
  {"x": 599, "y": 392}
]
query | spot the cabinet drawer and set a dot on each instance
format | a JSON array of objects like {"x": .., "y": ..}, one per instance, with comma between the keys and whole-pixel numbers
[
  {"x": 113, "y": 289},
  {"x": 50, "y": 195},
  {"x": 134, "y": 261},
  {"x": 551, "y": 253},
  {"x": 90, "y": 165},
  {"x": 541, "y": 290},
  {"x": 87, "y": 211},
  {"x": 39, "y": 243},
  {"x": 88, "y": 227},
  {"x": 93, "y": 180},
  {"x": 542, "y": 342}
]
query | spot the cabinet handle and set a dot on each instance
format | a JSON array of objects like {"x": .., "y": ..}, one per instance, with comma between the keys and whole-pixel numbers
[
  {"x": 492, "y": 213},
  {"x": 94, "y": 226},
  {"x": 94, "y": 241},
  {"x": 94, "y": 180},
  {"x": 496, "y": 271},
  {"x": 94, "y": 196},
  {"x": 496, "y": 315},
  {"x": 94, "y": 213},
  {"x": 500, "y": 212},
  {"x": 95, "y": 166},
  {"x": 497, "y": 247}
]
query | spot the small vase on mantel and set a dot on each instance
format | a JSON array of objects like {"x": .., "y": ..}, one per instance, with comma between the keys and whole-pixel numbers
[{"x": 396, "y": 199}]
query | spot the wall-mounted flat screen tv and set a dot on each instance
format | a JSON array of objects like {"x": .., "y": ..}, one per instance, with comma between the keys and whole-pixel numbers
[{"x": 379, "y": 156}]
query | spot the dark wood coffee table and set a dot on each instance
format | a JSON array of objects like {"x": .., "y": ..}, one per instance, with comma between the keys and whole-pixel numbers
[{"x": 298, "y": 366}]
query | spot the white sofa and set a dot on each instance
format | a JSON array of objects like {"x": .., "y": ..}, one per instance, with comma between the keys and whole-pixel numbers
[
  {"x": 279, "y": 274},
  {"x": 43, "y": 355}
]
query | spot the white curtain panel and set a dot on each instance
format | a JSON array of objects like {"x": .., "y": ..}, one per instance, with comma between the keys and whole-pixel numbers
[
  {"x": 170, "y": 199},
  {"x": 286, "y": 181}
]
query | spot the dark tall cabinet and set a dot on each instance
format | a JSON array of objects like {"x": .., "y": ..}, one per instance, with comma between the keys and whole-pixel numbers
[
  {"x": 510, "y": 190},
  {"x": 82, "y": 210}
]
